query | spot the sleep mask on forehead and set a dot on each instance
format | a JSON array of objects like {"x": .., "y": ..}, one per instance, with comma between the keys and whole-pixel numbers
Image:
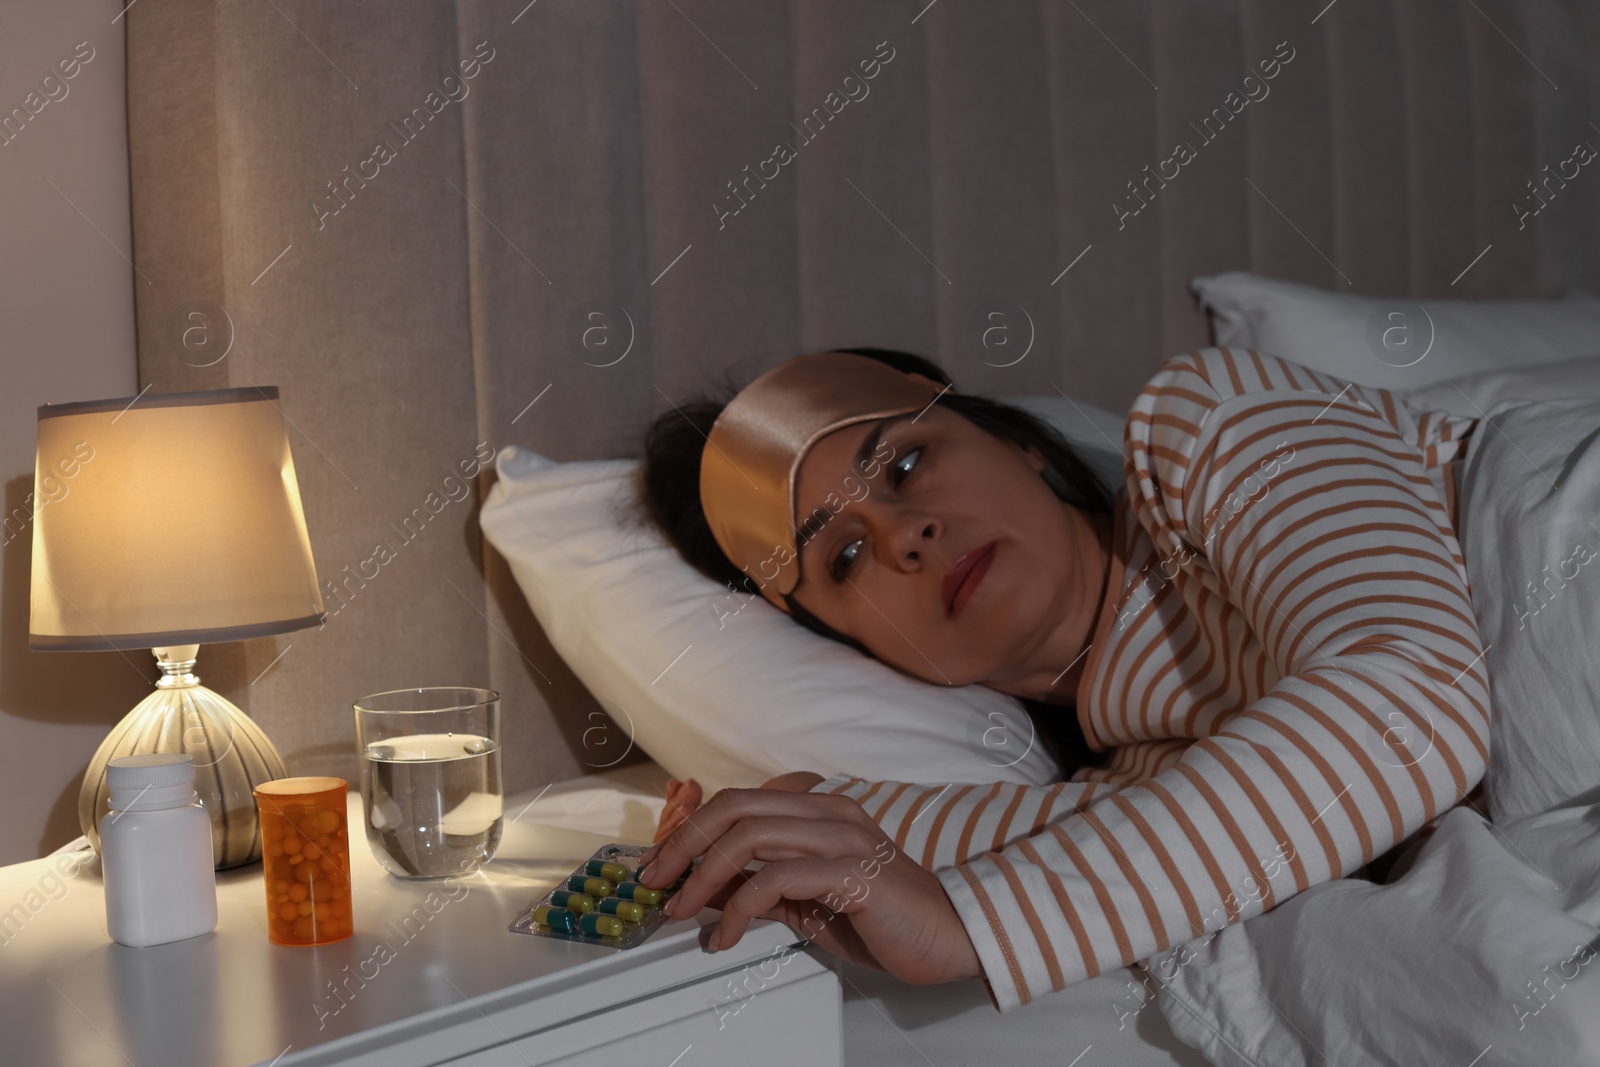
[{"x": 753, "y": 452}]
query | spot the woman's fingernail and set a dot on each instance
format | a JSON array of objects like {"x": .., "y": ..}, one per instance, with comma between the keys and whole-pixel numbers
[
  {"x": 670, "y": 907},
  {"x": 650, "y": 853},
  {"x": 648, "y": 873},
  {"x": 715, "y": 940}
]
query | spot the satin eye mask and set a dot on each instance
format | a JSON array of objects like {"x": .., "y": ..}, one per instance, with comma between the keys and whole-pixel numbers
[{"x": 753, "y": 452}]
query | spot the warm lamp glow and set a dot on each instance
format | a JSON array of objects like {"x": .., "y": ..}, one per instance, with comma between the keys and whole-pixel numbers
[{"x": 185, "y": 527}]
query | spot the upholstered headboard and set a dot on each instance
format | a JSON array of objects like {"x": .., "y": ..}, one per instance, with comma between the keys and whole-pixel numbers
[{"x": 439, "y": 226}]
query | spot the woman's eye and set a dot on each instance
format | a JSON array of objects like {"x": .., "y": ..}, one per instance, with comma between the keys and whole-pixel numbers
[
  {"x": 840, "y": 567},
  {"x": 903, "y": 467}
]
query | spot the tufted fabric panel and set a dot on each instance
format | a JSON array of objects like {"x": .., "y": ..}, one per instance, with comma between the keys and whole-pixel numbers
[{"x": 598, "y": 223}]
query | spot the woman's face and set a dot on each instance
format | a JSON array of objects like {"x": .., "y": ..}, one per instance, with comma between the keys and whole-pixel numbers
[{"x": 909, "y": 511}]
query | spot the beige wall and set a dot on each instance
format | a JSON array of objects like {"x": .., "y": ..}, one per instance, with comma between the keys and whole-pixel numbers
[{"x": 66, "y": 333}]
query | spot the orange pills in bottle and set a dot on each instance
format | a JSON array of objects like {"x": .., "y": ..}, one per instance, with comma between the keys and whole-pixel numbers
[{"x": 305, "y": 859}]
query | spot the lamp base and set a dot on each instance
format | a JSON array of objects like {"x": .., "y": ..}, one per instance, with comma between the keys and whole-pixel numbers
[{"x": 231, "y": 754}]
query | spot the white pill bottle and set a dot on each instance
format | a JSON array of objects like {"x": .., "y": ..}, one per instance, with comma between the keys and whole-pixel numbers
[{"x": 155, "y": 853}]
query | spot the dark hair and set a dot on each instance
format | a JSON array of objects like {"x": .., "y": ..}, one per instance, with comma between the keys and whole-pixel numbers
[{"x": 670, "y": 481}]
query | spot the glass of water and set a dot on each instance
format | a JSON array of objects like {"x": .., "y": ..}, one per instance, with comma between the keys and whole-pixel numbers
[{"x": 430, "y": 778}]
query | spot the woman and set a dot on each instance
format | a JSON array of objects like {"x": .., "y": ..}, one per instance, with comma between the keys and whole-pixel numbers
[{"x": 1268, "y": 644}]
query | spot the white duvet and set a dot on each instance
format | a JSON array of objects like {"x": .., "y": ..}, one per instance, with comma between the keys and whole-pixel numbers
[{"x": 1485, "y": 949}]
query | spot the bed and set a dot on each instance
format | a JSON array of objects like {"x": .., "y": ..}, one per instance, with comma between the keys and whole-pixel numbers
[{"x": 1473, "y": 898}]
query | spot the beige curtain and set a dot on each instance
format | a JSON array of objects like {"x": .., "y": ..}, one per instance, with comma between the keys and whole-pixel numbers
[{"x": 410, "y": 217}]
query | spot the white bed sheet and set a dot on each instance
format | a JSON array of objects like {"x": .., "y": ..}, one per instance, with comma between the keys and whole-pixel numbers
[{"x": 1109, "y": 1019}]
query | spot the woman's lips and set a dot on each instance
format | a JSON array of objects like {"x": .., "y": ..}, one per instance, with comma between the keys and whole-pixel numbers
[{"x": 964, "y": 575}]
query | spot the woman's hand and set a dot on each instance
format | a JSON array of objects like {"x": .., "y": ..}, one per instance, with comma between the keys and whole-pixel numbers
[
  {"x": 795, "y": 781},
  {"x": 831, "y": 874},
  {"x": 683, "y": 798}
]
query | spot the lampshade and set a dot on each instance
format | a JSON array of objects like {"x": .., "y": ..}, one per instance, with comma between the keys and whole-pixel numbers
[{"x": 169, "y": 519}]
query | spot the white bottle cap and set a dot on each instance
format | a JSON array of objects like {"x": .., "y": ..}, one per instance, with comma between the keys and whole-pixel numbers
[{"x": 157, "y": 780}]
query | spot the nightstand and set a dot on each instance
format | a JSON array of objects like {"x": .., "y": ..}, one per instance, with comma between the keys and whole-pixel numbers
[{"x": 431, "y": 976}]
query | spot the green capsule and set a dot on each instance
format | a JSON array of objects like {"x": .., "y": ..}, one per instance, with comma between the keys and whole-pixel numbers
[
  {"x": 594, "y": 887},
  {"x": 600, "y": 925},
  {"x": 623, "y": 909},
  {"x": 643, "y": 894},
  {"x": 581, "y": 903},
  {"x": 557, "y": 918},
  {"x": 638, "y": 876},
  {"x": 614, "y": 872}
]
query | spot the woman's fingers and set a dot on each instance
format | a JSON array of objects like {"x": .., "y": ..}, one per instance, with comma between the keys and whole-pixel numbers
[
  {"x": 830, "y": 873},
  {"x": 769, "y": 838},
  {"x": 837, "y": 937},
  {"x": 717, "y": 816},
  {"x": 670, "y": 820},
  {"x": 682, "y": 800},
  {"x": 795, "y": 781},
  {"x": 883, "y": 912},
  {"x": 826, "y": 885}
]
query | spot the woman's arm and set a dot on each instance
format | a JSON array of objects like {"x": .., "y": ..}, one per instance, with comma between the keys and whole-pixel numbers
[
  {"x": 946, "y": 824},
  {"x": 941, "y": 825},
  {"x": 1346, "y": 571},
  {"x": 937, "y": 825},
  {"x": 1348, "y": 574}
]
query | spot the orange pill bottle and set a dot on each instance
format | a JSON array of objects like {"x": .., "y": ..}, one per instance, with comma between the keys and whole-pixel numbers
[{"x": 305, "y": 859}]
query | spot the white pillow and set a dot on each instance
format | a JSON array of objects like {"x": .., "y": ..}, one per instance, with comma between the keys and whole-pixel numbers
[
  {"x": 728, "y": 689},
  {"x": 1359, "y": 339},
  {"x": 1475, "y": 394}
]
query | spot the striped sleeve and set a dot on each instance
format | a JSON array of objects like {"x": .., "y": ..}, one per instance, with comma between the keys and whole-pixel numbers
[
  {"x": 943, "y": 825},
  {"x": 1302, "y": 501}
]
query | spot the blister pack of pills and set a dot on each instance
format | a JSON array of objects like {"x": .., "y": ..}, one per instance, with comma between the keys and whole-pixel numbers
[{"x": 601, "y": 902}]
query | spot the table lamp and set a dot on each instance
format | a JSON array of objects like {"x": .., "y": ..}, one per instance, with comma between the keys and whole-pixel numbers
[{"x": 179, "y": 524}]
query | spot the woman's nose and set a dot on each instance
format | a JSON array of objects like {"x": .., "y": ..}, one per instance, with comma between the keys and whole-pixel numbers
[{"x": 913, "y": 535}]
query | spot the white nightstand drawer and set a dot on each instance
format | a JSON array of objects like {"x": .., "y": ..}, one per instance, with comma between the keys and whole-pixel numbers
[{"x": 729, "y": 1020}]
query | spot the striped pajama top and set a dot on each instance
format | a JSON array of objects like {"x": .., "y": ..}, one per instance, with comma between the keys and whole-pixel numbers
[{"x": 1286, "y": 668}]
